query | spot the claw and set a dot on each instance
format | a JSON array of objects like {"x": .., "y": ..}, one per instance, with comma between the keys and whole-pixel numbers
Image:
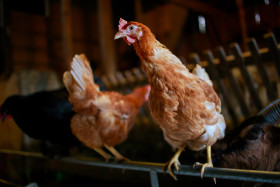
[
  {"x": 121, "y": 159},
  {"x": 169, "y": 164},
  {"x": 175, "y": 162},
  {"x": 203, "y": 166}
]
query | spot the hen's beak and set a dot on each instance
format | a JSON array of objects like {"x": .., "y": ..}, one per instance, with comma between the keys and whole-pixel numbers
[{"x": 119, "y": 34}]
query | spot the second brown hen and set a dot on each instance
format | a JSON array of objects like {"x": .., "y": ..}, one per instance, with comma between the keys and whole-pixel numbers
[{"x": 102, "y": 119}]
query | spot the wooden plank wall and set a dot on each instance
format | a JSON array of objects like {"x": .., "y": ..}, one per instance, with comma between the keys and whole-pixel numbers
[
  {"x": 37, "y": 40},
  {"x": 29, "y": 38}
]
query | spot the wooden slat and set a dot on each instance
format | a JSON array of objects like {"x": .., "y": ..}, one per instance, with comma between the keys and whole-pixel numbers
[
  {"x": 107, "y": 46},
  {"x": 121, "y": 79},
  {"x": 233, "y": 82},
  {"x": 265, "y": 55},
  {"x": 113, "y": 80},
  {"x": 194, "y": 58},
  {"x": 107, "y": 83},
  {"x": 242, "y": 20},
  {"x": 140, "y": 75},
  {"x": 272, "y": 45},
  {"x": 199, "y": 6},
  {"x": 49, "y": 37},
  {"x": 6, "y": 63},
  {"x": 215, "y": 75},
  {"x": 22, "y": 22},
  {"x": 138, "y": 10},
  {"x": 270, "y": 89},
  {"x": 67, "y": 43},
  {"x": 176, "y": 26},
  {"x": 239, "y": 60},
  {"x": 130, "y": 78},
  {"x": 32, "y": 56},
  {"x": 29, "y": 41}
]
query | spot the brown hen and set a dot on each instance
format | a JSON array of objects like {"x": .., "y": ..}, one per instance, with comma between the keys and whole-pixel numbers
[
  {"x": 186, "y": 107},
  {"x": 102, "y": 118}
]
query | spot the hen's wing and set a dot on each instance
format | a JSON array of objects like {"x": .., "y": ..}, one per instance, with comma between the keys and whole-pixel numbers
[{"x": 214, "y": 124}]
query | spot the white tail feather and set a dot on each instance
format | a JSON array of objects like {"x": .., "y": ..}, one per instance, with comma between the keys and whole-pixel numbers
[
  {"x": 201, "y": 73},
  {"x": 81, "y": 74}
]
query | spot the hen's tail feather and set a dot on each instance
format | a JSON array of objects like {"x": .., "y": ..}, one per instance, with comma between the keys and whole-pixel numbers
[
  {"x": 202, "y": 74},
  {"x": 80, "y": 76},
  {"x": 67, "y": 80}
]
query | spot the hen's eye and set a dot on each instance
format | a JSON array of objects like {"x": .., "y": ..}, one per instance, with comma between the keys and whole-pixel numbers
[{"x": 131, "y": 28}]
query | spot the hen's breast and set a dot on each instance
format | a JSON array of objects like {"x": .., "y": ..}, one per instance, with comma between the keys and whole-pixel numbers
[
  {"x": 114, "y": 128},
  {"x": 84, "y": 127},
  {"x": 109, "y": 124}
]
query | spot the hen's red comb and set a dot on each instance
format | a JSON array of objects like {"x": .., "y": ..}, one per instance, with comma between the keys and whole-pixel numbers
[
  {"x": 122, "y": 23},
  {"x": 3, "y": 117}
]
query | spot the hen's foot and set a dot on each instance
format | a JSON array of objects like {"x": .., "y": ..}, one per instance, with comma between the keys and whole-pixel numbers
[
  {"x": 121, "y": 159},
  {"x": 174, "y": 161},
  {"x": 203, "y": 166},
  {"x": 117, "y": 155},
  {"x": 209, "y": 163},
  {"x": 105, "y": 155}
]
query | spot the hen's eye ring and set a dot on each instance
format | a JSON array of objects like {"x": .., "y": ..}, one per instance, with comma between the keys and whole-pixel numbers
[{"x": 131, "y": 28}]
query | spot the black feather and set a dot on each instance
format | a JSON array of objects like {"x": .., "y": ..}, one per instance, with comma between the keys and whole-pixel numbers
[{"x": 271, "y": 113}]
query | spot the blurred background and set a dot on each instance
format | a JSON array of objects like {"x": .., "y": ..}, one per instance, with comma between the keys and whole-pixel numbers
[{"x": 40, "y": 37}]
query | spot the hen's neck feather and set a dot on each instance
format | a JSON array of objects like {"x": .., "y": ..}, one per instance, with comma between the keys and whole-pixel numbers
[
  {"x": 157, "y": 61},
  {"x": 144, "y": 47}
]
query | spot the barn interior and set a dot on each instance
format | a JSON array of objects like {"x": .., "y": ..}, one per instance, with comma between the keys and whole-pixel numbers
[{"x": 236, "y": 41}]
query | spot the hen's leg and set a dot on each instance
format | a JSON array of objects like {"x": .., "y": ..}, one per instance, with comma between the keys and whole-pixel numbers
[
  {"x": 174, "y": 161},
  {"x": 117, "y": 155},
  {"x": 103, "y": 153},
  {"x": 209, "y": 163}
]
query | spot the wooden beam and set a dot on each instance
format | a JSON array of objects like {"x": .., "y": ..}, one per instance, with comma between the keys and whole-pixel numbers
[
  {"x": 242, "y": 21},
  {"x": 199, "y": 6},
  {"x": 176, "y": 25},
  {"x": 138, "y": 10},
  {"x": 6, "y": 62},
  {"x": 67, "y": 44},
  {"x": 105, "y": 25}
]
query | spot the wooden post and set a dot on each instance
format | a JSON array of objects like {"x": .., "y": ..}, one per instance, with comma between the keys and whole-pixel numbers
[
  {"x": 67, "y": 44},
  {"x": 49, "y": 36},
  {"x": 138, "y": 10},
  {"x": 233, "y": 82},
  {"x": 274, "y": 51},
  {"x": 256, "y": 57},
  {"x": 239, "y": 60},
  {"x": 6, "y": 62},
  {"x": 242, "y": 20},
  {"x": 105, "y": 25}
]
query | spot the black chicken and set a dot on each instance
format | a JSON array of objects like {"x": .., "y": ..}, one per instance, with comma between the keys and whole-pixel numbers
[{"x": 43, "y": 115}]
